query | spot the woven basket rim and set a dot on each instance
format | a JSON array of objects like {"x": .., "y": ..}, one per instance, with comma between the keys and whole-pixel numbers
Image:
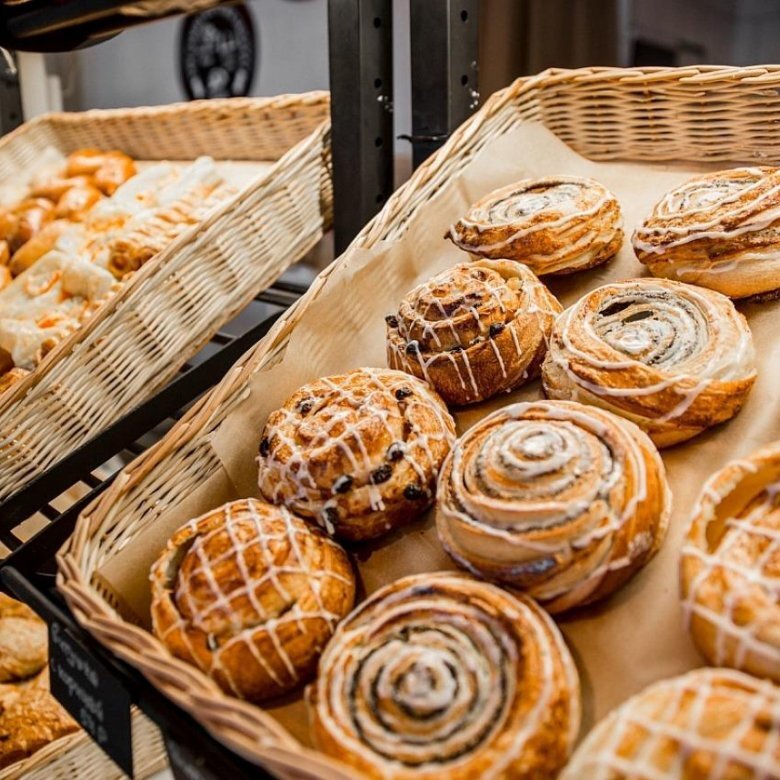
[{"x": 181, "y": 682}]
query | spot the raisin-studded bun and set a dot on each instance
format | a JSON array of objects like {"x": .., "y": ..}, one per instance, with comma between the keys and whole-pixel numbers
[
  {"x": 709, "y": 723},
  {"x": 719, "y": 231},
  {"x": 730, "y": 566},
  {"x": 563, "y": 501},
  {"x": 474, "y": 330},
  {"x": 358, "y": 452},
  {"x": 441, "y": 677},
  {"x": 554, "y": 225},
  {"x": 250, "y": 594},
  {"x": 673, "y": 358}
]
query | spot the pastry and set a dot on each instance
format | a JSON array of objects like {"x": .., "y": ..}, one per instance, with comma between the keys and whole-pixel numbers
[
  {"x": 250, "y": 594},
  {"x": 11, "y": 377},
  {"x": 719, "y": 231},
  {"x": 441, "y": 676},
  {"x": 709, "y": 723},
  {"x": 358, "y": 452},
  {"x": 730, "y": 566},
  {"x": 673, "y": 358},
  {"x": 562, "y": 501},
  {"x": 23, "y": 641},
  {"x": 474, "y": 330},
  {"x": 554, "y": 225},
  {"x": 108, "y": 170}
]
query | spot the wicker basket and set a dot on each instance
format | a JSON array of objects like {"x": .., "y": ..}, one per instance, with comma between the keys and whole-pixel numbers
[
  {"x": 77, "y": 756},
  {"x": 693, "y": 114},
  {"x": 138, "y": 341}
]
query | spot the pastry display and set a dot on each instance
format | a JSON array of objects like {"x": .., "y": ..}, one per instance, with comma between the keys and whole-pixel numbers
[
  {"x": 441, "y": 676},
  {"x": 357, "y": 452},
  {"x": 555, "y": 225},
  {"x": 673, "y": 358},
  {"x": 562, "y": 501},
  {"x": 250, "y": 594},
  {"x": 730, "y": 566},
  {"x": 474, "y": 330},
  {"x": 708, "y": 723},
  {"x": 719, "y": 231}
]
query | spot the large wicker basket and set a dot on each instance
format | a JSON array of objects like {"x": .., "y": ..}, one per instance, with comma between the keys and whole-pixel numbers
[
  {"x": 693, "y": 114},
  {"x": 138, "y": 341}
]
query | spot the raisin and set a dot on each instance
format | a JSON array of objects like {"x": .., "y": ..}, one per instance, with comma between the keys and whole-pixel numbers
[
  {"x": 496, "y": 328},
  {"x": 395, "y": 451},
  {"x": 304, "y": 405},
  {"x": 330, "y": 516},
  {"x": 412, "y": 348},
  {"x": 342, "y": 484},
  {"x": 381, "y": 474},
  {"x": 265, "y": 446},
  {"x": 403, "y": 392},
  {"x": 391, "y": 320},
  {"x": 414, "y": 492},
  {"x": 457, "y": 348}
]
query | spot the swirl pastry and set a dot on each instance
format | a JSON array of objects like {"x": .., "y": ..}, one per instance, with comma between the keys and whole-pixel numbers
[
  {"x": 718, "y": 231},
  {"x": 358, "y": 452},
  {"x": 474, "y": 330},
  {"x": 250, "y": 594},
  {"x": 673, "y": 358},
  {"x": 709, "y": 723},
  {"x": 441, "y": 676},
  {"x": 730, "y": 566},
  {"x": 563, "y": 501},
  {"x": 554, "y": 225}
]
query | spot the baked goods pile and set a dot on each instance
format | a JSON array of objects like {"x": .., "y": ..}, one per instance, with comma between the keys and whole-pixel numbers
[
  {"x": 545, "y": 506},
  {"x": 30, "y": 717},
  {"x": 81, "y": 227}
]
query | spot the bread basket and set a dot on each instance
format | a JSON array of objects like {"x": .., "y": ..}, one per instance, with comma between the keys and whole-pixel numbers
[
  {"x": 139, "y": 339},
  {"x": 701, "y": 114}
]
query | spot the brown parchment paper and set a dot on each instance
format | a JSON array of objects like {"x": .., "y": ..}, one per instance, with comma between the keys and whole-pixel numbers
[{"x": 627, "y": 641}]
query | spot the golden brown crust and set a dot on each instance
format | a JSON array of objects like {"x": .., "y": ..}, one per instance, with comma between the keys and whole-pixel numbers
[
  {"x": 441, "y": 676},
  {"x": 23, "y": 641},
  {"x": 108, "y": 170},
  {"x": 357, "y": 452},
  {"x": 250, "y": 594},
  {"x": 563, "y": 501},
  {"x": 730, "y": 566},
  {"x": 474, "y": 330},
  {"x": 673, "y": 358},
  {"x": 555, "y": 225},
  {"x": 708, "y": 723},
  {"x": 719, "y": 231}
]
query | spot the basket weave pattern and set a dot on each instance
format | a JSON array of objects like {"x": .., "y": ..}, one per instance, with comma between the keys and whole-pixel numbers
[{"x": 651, "y": 114}]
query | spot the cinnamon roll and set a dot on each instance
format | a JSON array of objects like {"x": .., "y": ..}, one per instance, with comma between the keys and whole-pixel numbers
[
  {"x": 441, "y": 676},
  {"x": 719, "y": 231},
  {"x": 555, "y": 225},
  {"x": 673, "y": 358},
  {"x": 474, "y": 330},
  {"x": 250, "y": 594},
  {"x": 730, "y": 566},
  {"x": 358, "y": 452},
  {"x": 563, "y": 501},
  {"x": 708, "y": 723}
]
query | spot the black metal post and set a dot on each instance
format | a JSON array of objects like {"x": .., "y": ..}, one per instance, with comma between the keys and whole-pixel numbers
[
  {"x": 444, "y": 70},
  {"x": 10, "y": 96},
  {"x": 360, "y": 38}
]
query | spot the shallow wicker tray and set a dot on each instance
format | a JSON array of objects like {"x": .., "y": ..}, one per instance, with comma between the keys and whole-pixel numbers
[
  {"x": 694, "y": 114},
  {"x": 165, "y": 313}
]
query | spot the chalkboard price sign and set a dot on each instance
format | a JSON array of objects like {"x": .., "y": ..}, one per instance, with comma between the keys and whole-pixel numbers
[{"x": 91, "y": 694}]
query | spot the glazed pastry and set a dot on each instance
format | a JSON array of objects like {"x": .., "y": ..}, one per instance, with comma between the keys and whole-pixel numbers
[
  {"x": 358, "y": 452},
  {"x": 673, "y": 358},
  {"x": 554, "y": 225},
  {"x": 441, "y": 676},
  {"x": 709, "y": 723},
  {"x": 23, "y": 641},
  {"x": 250, "y": 594},
  {"x": 473, "y": 331},
  {"x": 719, "y": 231},
  {"x": 730, "y": 566},
  {"x": 108, "y": 170},
  {"x": 562, "y": 501}
]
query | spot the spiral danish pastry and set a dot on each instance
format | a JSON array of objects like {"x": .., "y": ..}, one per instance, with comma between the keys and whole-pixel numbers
[
  {"x": 563, "y": 501},
  {"x": 673, "y": 358},
  {"x": 719, "y": 231},
  {"x": 441, "y": 676},
  {"x": 555, "y": 225},
  {"x": 473, "y": 331},
  {"x": 708, "y": 723},
  {"x": 250, "y": 594},
  {"x": 358, "y": 452},
  {"x": 730, "y": 566}
]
